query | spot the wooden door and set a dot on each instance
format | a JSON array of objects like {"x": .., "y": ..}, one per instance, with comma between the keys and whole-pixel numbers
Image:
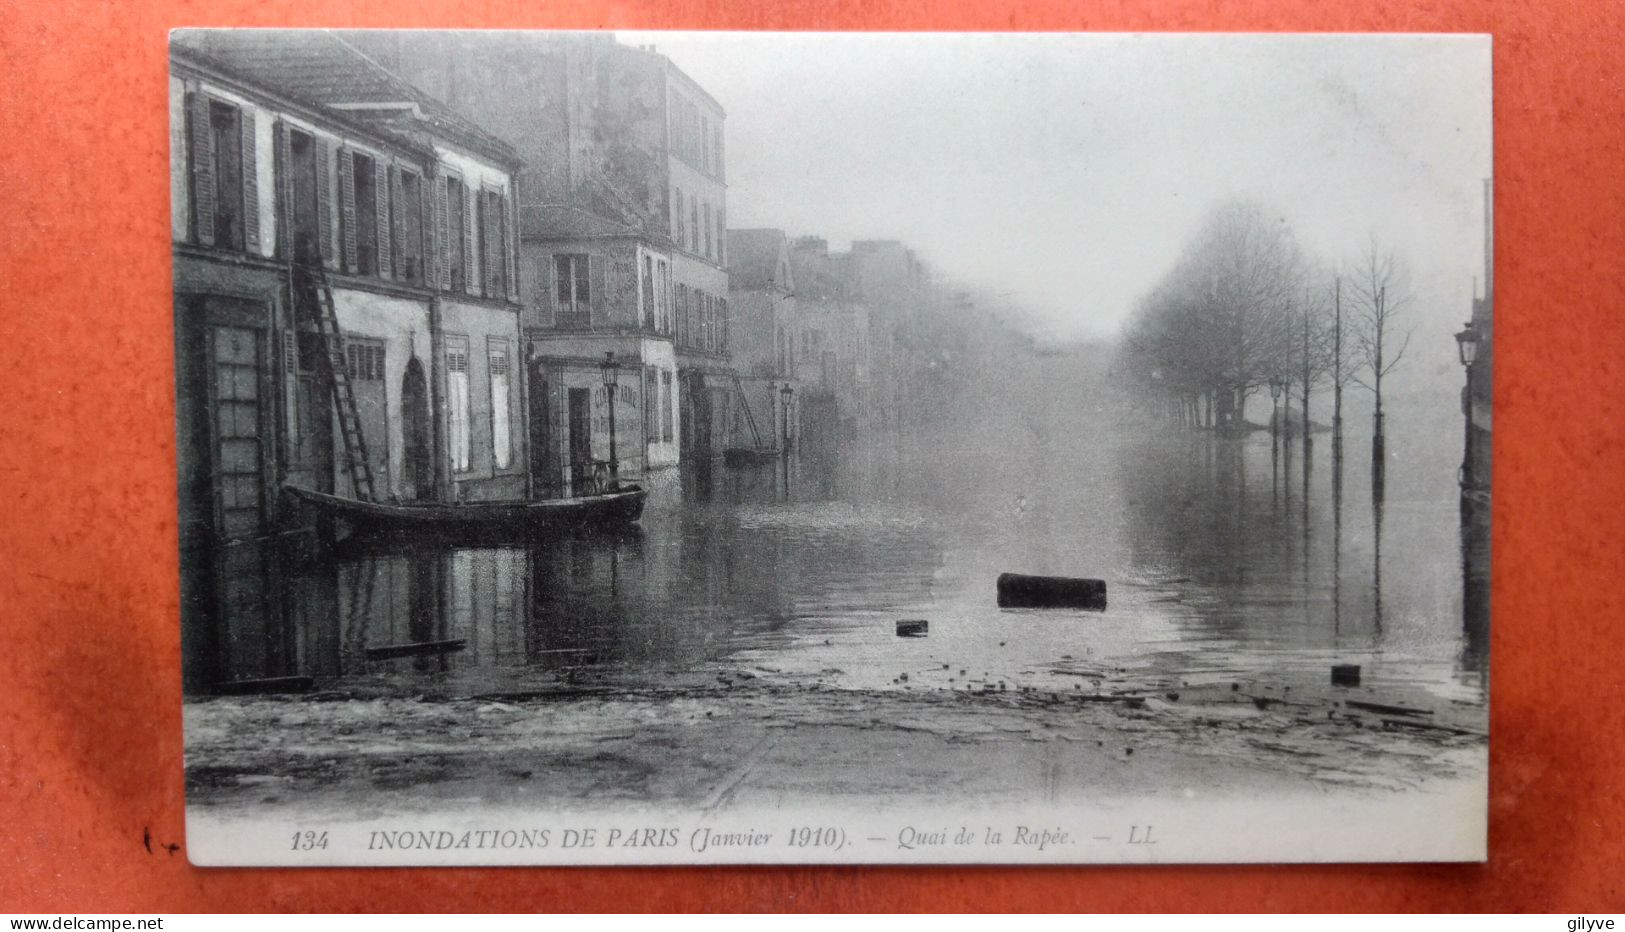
[
  {"x": 238, "y": 454},
  {"x": 580, "y": 432}
]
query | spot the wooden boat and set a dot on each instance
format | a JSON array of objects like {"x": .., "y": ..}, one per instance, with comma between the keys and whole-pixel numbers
[{"x": 621, "y": 506}]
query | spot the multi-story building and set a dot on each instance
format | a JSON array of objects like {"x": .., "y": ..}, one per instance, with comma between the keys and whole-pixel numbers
[
  {"x": 832, "y": 345},
  {"x": 1477, "y": 346},
  {"x": 625, "y": 135},
  {"x": 763, "y": 303},
  {"x": 295, "y": 147},
  {"x": 599, "y": 291}
]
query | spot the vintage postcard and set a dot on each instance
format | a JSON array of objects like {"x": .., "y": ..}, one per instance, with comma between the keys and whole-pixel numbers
[{"x": 679, "y": 448}]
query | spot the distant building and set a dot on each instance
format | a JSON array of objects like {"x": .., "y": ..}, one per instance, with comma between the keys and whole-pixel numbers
[
  {"x": 625, "y": 135},
  {"x": 295, "y": 143},
  {"x": 763, "y": 301},
  {"x": 831, "y": 346}
]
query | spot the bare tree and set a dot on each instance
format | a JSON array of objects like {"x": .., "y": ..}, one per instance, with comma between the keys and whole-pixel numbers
[
  {"x": 1220, "y": 324},
  {"x": 1380, "y": 296}
]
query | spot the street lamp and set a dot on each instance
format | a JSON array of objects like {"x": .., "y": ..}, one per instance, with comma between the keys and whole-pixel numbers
[
  {"x": 611, "y": 374},
  {"x": 784, "y": 395},
  {"x": 1467, "y": 346}
]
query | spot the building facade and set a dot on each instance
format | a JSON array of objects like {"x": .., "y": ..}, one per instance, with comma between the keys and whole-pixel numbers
[
  {"x": 286, "y": 152},
  {"x": 763, "y": 306},
  {"x": 623, "y": 134},
  {"x": 593, "y": 287}
]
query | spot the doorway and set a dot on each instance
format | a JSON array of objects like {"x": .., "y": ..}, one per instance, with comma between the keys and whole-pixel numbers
[
  {"x": 580, "y": 434},
  {"x": 417, "y": 466}
]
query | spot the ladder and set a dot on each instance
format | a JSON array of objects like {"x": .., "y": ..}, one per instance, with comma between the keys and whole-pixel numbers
[
  {"x": 744, "y": 402},
  {"x": 336, "y": 357}
]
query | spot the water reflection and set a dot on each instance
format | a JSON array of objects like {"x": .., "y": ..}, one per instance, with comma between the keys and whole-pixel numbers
[{"x": 801, "y": 566}]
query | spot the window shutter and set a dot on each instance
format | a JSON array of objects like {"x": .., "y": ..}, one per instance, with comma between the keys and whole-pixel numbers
[
  {"x": 510, "y": 246},
  {"x": 443, "y": 255},
  {"x": 251, "y": 184},
  {"x": 324, "y": 201},
  {"x": 347, "y": 207},
  {"x": 383, "y": 187},
  {"x": 491, "y": 217},
  {"x": 203, "y": 180},
  {"x": 429, "y": 229},
  {"x": 595, "y": 281},
  {"x": 470, "y": 242},
  {"x": 397, "y": 201},
  {"x": 545, "y": 288},
  {"x": 281, "y": 177}
]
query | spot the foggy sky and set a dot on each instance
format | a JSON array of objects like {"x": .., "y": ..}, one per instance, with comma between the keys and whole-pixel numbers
[{"x": 1068, "y": 171}]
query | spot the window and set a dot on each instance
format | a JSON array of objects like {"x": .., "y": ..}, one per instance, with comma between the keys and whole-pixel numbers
[
  {"x": 682, "y": 313},
  {"x": 365, "y": 171},
  {"x": 648, "y": 292},
  {"x": 308, "y": 215},
  {"x": 722, "y": 241},
  {"x": 457, "y": 414},
  {"x": 225, "y": 129},
  {"x": 409, "y": 245},
  {"x": 707, "y": 229},
  {"x": 668, "y": 411},
  {"x": 494, "y": 251},
  {"x": 723, "y": 313},
  {"x": 651, "y": 405},
  {"x": 679, "y": 228},
  {"x": 501, "y": 403},
  {"x": 456, "y": 234},
  {"x": 694, "y": 224},
  {"x": 705, "y": 143},
  {"x": 570, "y": 272},
  {"x": 716, "y": 150},
  {"x": 366, "y": 361},
  {"x": 665, "y": 297}
]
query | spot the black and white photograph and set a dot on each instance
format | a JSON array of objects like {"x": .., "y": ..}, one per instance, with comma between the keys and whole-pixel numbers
[{"x": 746, "y": 448}]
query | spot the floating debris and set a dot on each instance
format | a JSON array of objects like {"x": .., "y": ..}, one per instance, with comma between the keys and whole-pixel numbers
[
  {"x": 1346, "y": 674},
  {"x": 913, "y": 628},
  {"x": 1020, "y": 591}
]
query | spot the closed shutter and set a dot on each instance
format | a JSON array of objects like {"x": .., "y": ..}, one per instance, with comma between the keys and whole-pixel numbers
[
  {"x": 282, "y": 178},
  {"x": 324, "y": 201},
  {"x": 383, "y": 186},
  {"x": 600, "y": 293},
  {"x": 397, "y": 201},
  {"x": 251, "y": 185},
  {"x": 443, "y": 255},
  {"x": 491, "y": 219},
  {"x": 429, "y": 233},
  {"x": 470, "y": 244},
  {"x": 203, "y": 180},
  {"x": 546, "y": 290},
  {"x": 510, "y": 246},
  {"x": 347, "y": 208}
]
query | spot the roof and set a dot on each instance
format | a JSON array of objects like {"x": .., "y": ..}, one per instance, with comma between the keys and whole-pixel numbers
[
  {"x": 319, "y": 65},
  {"x": 753, "y": 257},
  {"x": 564, "y": 221}
]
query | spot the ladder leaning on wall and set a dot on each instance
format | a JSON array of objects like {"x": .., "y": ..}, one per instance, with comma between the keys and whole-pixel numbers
[{"x": 310, "y": 284}]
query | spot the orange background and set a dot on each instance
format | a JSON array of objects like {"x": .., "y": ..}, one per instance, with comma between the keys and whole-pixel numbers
[{"x": 90, "y": 733}]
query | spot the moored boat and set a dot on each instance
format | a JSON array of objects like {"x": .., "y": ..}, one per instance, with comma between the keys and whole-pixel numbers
[{"x": 620, "y": 506}]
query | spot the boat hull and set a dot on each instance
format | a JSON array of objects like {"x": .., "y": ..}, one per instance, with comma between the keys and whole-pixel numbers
[{"x": 503, "y": 518}]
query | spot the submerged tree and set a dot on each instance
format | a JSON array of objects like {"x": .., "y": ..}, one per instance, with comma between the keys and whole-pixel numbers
[{"x": 1381, "y": 294}]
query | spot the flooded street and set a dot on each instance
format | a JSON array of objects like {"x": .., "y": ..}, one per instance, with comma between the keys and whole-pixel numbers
[
  {"x": 1219, "y": 568},
  {"x": 751, "y": 601}
]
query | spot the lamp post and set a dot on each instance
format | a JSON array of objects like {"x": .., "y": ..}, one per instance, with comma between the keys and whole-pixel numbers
[
  {"x": 784, "y": 395},
  {"x": 611, "y": 374},
  {"x": 1467, "y": 348}
]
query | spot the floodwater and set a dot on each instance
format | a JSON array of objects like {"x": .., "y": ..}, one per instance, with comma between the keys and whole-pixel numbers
[{"x": 1225, "y": 560}]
